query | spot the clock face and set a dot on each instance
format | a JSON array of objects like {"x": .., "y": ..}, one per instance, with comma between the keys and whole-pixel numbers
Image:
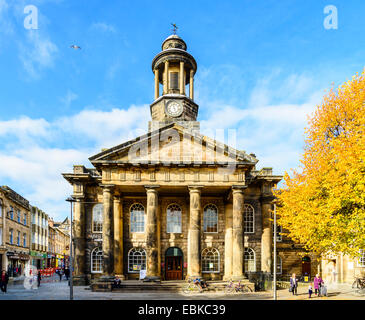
[{"x": 174, "y": 109}]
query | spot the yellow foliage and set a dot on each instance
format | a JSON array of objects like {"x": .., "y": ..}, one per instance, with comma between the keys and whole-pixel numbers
[{"x": 322, "y": 204}]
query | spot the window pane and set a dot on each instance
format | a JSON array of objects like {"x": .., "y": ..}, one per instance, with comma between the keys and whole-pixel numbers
[
  {"x": 210, "y": 218},
  {"x": 173, "y": 219},
  {"x": 249, "y": 259},
  {"x": 136, "y": 260},
  {"x": 137, "y": 218},
  {"x": 249, "y": 217},
  {"x": 98, "y": 212},
  {"x": 210, "y": 260}
]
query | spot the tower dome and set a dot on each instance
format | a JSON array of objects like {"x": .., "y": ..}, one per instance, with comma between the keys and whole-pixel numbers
[{"x": 174, "y": 42}]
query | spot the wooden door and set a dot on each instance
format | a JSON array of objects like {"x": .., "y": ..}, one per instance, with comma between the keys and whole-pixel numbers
[{"x": 173, "y": 268}]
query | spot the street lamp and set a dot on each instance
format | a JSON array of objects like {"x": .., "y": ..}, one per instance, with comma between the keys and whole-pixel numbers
[
  {"x": 275, "y": 267},
  {"x": 71, "y": 200}
]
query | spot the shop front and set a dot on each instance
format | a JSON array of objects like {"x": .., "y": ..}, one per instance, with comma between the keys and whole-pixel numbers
[
  {"x": 38, "y": 259},
  {"x": 17, "y": 263}
]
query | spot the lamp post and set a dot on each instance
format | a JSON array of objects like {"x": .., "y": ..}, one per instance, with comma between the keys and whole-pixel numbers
[
  {"x": 275, "y": 267},
  {"x": 71, "y": 200}
]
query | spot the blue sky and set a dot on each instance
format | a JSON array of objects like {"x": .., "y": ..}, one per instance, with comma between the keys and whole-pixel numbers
[{"x": 263, "y": 66}]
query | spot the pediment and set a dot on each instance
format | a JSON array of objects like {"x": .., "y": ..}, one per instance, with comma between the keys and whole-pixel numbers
[{"x": 173, "y": 144}]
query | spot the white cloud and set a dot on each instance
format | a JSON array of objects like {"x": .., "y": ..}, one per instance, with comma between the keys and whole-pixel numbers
[
  {"x": 68, "y": 98},
  {"x": 101, "y": 26},
  {"x": 38, "y": 53}
]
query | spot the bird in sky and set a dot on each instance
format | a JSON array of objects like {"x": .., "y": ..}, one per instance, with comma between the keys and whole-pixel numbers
[{"x": 75, "y": 47}]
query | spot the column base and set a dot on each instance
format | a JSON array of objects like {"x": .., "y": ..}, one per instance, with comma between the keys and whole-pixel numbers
[
  {"x": 236, "y": 278},
  {"x": 79, "y": 280},
  {"x": 193, "y": 276},
  {"x": 152, "y": 279}
]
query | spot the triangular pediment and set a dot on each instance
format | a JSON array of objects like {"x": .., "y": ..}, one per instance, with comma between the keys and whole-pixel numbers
[{"x": 173, "y": 144}]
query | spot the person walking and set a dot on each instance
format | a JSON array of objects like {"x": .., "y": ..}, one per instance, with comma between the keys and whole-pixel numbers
[
  {"x": 39, "y": 278},
  {"x": 4, "y": 281},
  {"x": 294, "y": 284},
  {"x": 60, "y": 274},
  {"x": 317, "y": 282},
  {"x": 67, "y": 273}
]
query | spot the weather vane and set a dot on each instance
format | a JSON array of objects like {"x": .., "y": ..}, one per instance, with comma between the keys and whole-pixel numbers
[{"x": 175, "y": 27}]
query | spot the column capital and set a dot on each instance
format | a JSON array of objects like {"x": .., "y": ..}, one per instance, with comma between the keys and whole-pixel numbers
[
  {"x": 195, "y": 188},
  {"x": 107, "y": 187},
  {"x": 268, "y": 199},
  {"x": 150, "y": 188}
]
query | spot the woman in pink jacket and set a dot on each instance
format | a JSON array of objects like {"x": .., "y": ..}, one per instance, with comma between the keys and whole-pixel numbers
[{"x": 317, "y": 282}]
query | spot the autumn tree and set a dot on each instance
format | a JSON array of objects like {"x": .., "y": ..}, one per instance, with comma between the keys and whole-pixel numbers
[{"x": 322, "y": 204}]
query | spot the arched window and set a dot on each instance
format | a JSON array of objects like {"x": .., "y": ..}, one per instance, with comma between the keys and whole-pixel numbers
[
  {"x": 173, "y": 219},
  {"x": 250, "y": 261},
  {"x": 136, "y": 260},
  {"x": 210, "y": 218},
  {"x": 210, "y": 260},
  {"x": 97, "y": 261},
  {"x": 98, "y": 217},
  {"x": 279, "y": 265},
  {"x": 249, "y": 219},
  {"x": 137, "y": 218}
]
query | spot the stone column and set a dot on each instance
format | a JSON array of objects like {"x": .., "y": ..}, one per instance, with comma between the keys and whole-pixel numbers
[
  {"x": 151, "y": 234},
  {"x": 191, "y": 86},
  {"x": 194, "y": 267},
  {"x": 166, "y": 86},
  {"x": 267, "y": 236},
  {"x": 237, "y": 233},
  {"x": 108, "y": 232},
  {"x": 182, "y": 78},
  {"x": 118, "y": 237},
  {"x": 228, "y": 245},
  {"x": 157, "y": 93},
  {"x": 79, "y": 241}
]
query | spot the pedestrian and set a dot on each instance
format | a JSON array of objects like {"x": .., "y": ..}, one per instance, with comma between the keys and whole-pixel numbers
[
  {"x": 4, "y": 281},
  {"x": 39, "y": 278},
  {"x": 60, "y": 274},
  {"x": 67, "y": 273},
  {"x": 117, "y": 282},
  {"x": 310, "y": 290},
  {"x": 317, "y": 284},
  {"x": 294, "y": 284}
]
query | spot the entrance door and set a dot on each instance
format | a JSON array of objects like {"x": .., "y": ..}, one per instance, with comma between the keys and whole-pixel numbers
[
  {"x": 306, "y": 266},
  {"x": 174, "y": 264}
]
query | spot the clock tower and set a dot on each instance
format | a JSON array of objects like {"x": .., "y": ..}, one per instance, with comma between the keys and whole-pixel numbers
[{"x": 174, "y": 69}]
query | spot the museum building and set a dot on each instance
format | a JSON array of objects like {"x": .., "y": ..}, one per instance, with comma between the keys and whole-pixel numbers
[{"x": 174, "y": 202}]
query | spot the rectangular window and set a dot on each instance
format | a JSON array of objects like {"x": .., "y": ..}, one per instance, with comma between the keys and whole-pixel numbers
[
  {"x": 174, "y": 80},
  {"x": 11, "y": 234},
  {"x": 1, "y": 236},
  {"x": 25, "y": 219},
  {"x": 18, "y": 217},
  {"x": 24, "y": 240},
  {"x": 11, "y": 213},
  {"x": 18, "y": 239}
]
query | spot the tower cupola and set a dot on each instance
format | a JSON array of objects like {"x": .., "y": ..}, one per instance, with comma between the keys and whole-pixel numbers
[{"x": 174, "y": 69}]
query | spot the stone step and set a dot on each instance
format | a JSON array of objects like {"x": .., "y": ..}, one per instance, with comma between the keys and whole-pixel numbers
[{"x": 127, "y": 286}]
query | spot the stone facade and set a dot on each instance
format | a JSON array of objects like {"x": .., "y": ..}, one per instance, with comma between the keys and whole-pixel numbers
[
  {"x": 39, "y": 238},
  {"x": 14, "y": 231},
  {"x": 174, "y": 202}
]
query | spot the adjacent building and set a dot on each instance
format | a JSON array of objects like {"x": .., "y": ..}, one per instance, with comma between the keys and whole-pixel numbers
[
  {"x": 58, "y": 244},
  {"x": 15, "y": 232},
  {"x": 39, "y": 230}
]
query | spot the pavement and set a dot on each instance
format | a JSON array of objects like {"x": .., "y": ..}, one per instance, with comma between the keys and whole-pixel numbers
[{"x": 53, "y": 289}]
